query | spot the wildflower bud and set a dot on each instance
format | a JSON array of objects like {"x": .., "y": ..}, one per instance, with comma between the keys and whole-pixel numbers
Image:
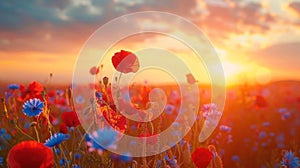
[
  {"x": 105, "y": 80},
  {"x": 44, "y": 95},
  {"x": 32, "y": 124}
]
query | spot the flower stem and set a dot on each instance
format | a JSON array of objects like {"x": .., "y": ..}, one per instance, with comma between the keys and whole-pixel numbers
[
  {"x": 36, "y": 133},
  {"x": 18, "y": 128},
  {"x": 83, "y": 137},
  {"x": 4, "y": 108}
]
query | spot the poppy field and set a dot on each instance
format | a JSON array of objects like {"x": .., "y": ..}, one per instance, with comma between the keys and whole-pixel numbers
[{"x": 46, "y": 125}]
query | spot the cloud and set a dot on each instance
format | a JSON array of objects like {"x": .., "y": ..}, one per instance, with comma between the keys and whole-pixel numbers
[
  {"x": 53, "y": 25},
  {"x": 84, "y": 13},
  {"x": 23, "y": 14},
  {"x": 56, "y": 3},
  {"x": 234, "y": 17},
  {"x": 295, "y": 6},
  {"x": 280, "y": 56},
  {"x": 28, "y": 25},
  {"x": 179, "y": 7}
]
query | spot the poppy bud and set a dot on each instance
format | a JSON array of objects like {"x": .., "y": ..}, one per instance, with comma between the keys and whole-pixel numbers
[{"x": 105, "y": 80}]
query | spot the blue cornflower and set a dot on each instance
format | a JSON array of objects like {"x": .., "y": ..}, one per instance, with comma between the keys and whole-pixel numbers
[
  {"x": 175, "y": 124},
  {"x": 60, "y": 92},
  {"x": 225, "y": 128},
  {"x": 101, "y": 139},
  {"x": 4, "y": 135},
  {"x": 63, "y": 162},
  {"x": 208, "y": 108},
  {"x": 176, "y": 133},
  {"x": 126, "y": 157},
  {"x": 57, "y": 151},
  {"x": 262, "y": 134},
  {"x": 266, "y": 124},
  {"x": 290, "y": 160},
  {"x": 1, "y": 160},
  {"x": 77, "y": 156},
  {"x": 159, "y": 164},
  {"x": 98, "y": 95},
  {"x": 263, "y": 144},
  {"x": 76, "y": 166},
  {"x": 2, "y": 131},
  {"x": 172, "y": 161},
  {"x": 133, "y": 127},
  {"x": 286, "y": 116},
  {"x": 80, "y": 99},
  {"x": 33, "y": 107},
  {"x": 13, "y": 86},
  {"x": 235, "y": 158},
  {"x": 280, "y": 145},
  {"x": 182, "y": 142},
  {"x": 211, "y": 115},
  {"x": 282, "y": 110},
  {"x": 8, "y": 95},
  {"x": 56, "y": 139},
  {"x": 169, "y": 109}
]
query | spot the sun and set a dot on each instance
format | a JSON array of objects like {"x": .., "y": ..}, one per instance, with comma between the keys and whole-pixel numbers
[{"x": 232, "y": 70}]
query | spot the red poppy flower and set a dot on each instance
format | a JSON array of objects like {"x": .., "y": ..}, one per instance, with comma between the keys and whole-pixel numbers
[
  {"x": 201, "y": 157},
  {"x": 52, "y": 93},
  {"x": 94, "y": 70},
  {"x": 125, "y": 62},
  {"x": 34, "y": 90},
  {"x": 61, "y": 101},
  {"x": 30, "y": 154},
  {"x": 63, "y": 128},
  {"x": 70, "y": 119},
  {"x": 298, "y": 99},
  {"x": 260, "y": 102}
]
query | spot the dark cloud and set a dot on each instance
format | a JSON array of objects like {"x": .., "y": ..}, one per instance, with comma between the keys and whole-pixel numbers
[
  {"x": 60, "y": 4},
  {"x": 26, "y": 23},
  {"x": 18, "y": 15}
]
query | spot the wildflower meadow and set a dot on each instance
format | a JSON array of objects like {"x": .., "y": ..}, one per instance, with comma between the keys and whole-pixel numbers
[{"x": 40, "y": 127}]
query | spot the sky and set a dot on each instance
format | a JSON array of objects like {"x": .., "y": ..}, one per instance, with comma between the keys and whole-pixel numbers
[{"x": 256, "y": 41}]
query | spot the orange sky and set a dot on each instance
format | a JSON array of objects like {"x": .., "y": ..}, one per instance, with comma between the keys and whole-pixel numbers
[{"x": 257, "y": 41}]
